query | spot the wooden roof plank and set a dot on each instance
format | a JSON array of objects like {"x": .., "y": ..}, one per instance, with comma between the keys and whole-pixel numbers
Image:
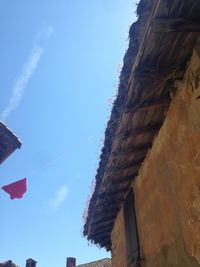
[
  {"x": 109, "y": 194},
  {"x": 131, "y": 149},
  {"x": 141, "y": 130},
  {"x": 126, "y": 165},
  {"x": 175, "y": 25},
  {"x": 122, "y": 179},
  {"x": 106, "y": 217},
  {"x": 155, "y": 104}
]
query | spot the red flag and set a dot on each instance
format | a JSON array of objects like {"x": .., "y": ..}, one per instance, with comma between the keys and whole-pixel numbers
[{"x": 16, "y": 189}]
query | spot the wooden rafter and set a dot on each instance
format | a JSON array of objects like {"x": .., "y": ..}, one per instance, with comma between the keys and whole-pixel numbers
[
  {"x": 105, "y": 224},
  {"x": 109, "y": 214},
  {"x": 111, "y": 203},
  {"x": 103, "y": 238},
  {"x": 122, "y": 179},
  {"x": 159, "y": 74},
  {"x": 175, "y": 25},
  {"x": 102, "y": 227},
  {"x": 131, "y": 149},
  {"x": 103, "y": 231},
  {"x": 155, "y": 104},
  {"x": 141, "y": 130},
  {"x": 112, "y": 206},
  {"x": 103, "y": 218},
  {"x": 124, "y": 166},
  {"x": 107, "y": 195}
]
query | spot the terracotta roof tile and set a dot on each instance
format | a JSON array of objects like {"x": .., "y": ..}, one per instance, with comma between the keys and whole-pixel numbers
[{"x": 99, "y": 263}]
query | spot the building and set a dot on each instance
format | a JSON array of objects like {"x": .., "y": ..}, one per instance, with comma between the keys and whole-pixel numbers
[
  {"x": 29, "y": 263},
  {"x": 8, "y": 264},
  {"x": 145, "y": 208},
  {"x": 8, "y": 142},
  {"x": 100, "y": 263},
  {"x": 71, "y": 262}
]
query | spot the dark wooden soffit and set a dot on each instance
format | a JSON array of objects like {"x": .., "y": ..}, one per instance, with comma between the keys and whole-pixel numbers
[
  {"x": 160, "y": 44},
  {"x": 176, "y": 25},
  {"x": 8, "y": 142}
]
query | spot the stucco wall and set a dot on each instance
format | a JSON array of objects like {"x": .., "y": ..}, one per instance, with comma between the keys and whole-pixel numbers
[
  {"x": 167, "y": 189},
  {"x": 118, "y": 242}
]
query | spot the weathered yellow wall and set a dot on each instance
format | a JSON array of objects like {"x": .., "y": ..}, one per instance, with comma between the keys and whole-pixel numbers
[
  {"x": 167, "y": 189},
  {"x": 118, "y": 242}
]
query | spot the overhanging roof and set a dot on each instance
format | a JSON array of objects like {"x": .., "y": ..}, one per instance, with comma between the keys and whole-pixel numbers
[
  {"x": 160, "y": 44},
  {"x": 8, "y": 142}
]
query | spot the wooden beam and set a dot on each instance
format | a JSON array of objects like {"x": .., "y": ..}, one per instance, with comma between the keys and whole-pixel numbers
[
  {"x": 103, "y": 218},
  {"x": 153, "y": 74},
  {"x": 99, "y": 237},
  {"x": 108, "y": 194},
  {"x": 105, "y": 225},
  {"x": 156, "y": 104},
  {"x": 149, "y": 75},
  {"x": 101, "y": 228},
  {"x": 131, "y": 150},
  {"x": 124, "y": 179},
  {"x": 105, "y": 214},
  {"x": 126, "y": 165},
  {"x": 104, "y": 241},
  {"x": 175, "y": 25},
  {"x": 110, "y": 203},
  {"x": 101, "y": 232},
  {"x": 160, "y": 74},
  {"x": 141, "y": 130}
]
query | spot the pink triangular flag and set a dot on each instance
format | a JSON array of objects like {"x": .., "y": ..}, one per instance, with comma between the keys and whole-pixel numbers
[{"x": 16, "y": 189}]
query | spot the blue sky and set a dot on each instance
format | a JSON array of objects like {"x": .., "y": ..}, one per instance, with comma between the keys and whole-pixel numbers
[{"x": 59, "y": 62}]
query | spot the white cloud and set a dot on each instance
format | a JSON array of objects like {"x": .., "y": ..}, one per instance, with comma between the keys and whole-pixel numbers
[
  {"x": 25, "y": 75},
  {"x": 45, "y": 32},
  {"x": 59, "y": 197},
  {"x": 22, "y": 82},
  {"x": 90, "y": 137}
]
